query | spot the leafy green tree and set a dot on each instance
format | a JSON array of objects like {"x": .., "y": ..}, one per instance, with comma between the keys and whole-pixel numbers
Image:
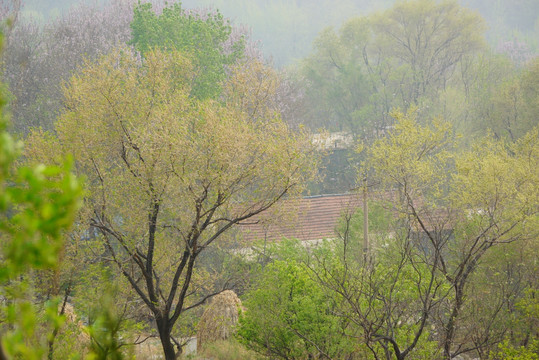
[
  {"x": 429, "y": 38},
  {"x": 500, "y": 302},
  {"x": 467, "y": 102},
  {"x": 529, "y": 85},
  {"x": 340, "y": 93},
  {"x": 204, "y": 39},
  {"x": 437, "y": 271},
  {"x": 289, "y": 316},
  {"x": 509, "y": 352},
  {"x": 507, "y": 104}
]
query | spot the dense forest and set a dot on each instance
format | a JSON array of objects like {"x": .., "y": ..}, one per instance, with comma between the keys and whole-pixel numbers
[{"x": 149, "y": 150}]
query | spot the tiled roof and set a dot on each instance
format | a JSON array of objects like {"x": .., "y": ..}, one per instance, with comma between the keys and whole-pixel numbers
[{"x": 309, "y": 218}]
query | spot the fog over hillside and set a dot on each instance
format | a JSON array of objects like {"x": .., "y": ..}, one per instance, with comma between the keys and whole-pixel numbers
[{"x": 286, "y": 29}]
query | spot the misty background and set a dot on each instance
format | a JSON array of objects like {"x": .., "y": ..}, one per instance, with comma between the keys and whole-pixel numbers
[{"x": 286, "y": 29}]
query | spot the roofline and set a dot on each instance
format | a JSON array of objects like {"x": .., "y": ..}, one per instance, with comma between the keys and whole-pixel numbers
[{"x": 327, "y": 195}]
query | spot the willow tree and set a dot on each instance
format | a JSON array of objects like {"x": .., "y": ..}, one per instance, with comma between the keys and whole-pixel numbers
[
  {"x": 428, "y": 38},
  {"x": 167, "y": 174},
  {"x": 394, "y": 58}
]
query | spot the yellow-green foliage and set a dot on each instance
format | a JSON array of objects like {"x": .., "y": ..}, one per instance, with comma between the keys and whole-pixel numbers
[
  {"x": 461, "y": 201},
  {"x": 168, "y": 173}
]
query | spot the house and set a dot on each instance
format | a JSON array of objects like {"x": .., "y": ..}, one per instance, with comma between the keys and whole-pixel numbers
[
  {"x": 311, "y": 218},
  {"x": 314, "y": 218}
]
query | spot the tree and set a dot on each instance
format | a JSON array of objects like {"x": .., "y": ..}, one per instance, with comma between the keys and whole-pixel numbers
[
  {"x": 435, "y": 267},
  {"x": 467, "y": 103},
  {"x": 395, "y": 58},
  {"x": 500, "y": 301},
  {"x": 387, "y": 295},
  {"x": 40, "y": 57},
  {"x": 509, "y": 102},
  {"x": 340, "y": 93},
  {"x": 529, "y": 86},
  {"x": 430, "y": 38},
  {"x": 289, "y": 315},
  {"x": 204, "y": 38},
  {"x": 460, "y": 204},
  {"x": 168, "y": 175}
]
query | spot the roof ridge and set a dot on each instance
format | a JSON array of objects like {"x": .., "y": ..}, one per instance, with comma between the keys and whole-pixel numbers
[{"x": 327, "y": 195}]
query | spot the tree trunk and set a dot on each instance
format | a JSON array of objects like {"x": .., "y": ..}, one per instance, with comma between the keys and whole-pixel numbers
[
  {"x": 450, "y": 328},
  {"x": 164, "y": 328}
]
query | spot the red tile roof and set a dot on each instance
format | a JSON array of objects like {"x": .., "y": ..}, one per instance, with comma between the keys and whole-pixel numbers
[{"x": 308, "y": 218}]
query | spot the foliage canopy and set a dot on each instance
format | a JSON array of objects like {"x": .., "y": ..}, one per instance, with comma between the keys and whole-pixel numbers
[
  {"x": 204, "y": 39},
  {"x": 169, "y": 174}
]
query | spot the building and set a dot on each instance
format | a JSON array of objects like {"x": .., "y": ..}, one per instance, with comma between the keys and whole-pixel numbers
[{"x": 310, "y": 218}]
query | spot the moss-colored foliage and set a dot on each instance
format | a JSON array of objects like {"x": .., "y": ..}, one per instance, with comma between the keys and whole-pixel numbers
[
  {"x": 506, "y": 351},
  {"x": 384, "y": 300}
]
